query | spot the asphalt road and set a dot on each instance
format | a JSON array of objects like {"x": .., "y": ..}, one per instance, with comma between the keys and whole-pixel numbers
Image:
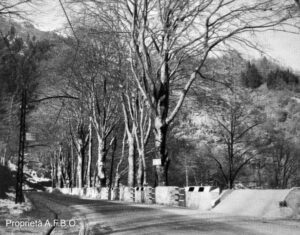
[{"x": 106, "y": 217}]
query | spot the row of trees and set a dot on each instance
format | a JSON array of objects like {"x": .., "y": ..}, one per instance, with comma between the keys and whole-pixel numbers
[
  {"x": 275, "y": 78},
  {"x": 246, "y": 132}
]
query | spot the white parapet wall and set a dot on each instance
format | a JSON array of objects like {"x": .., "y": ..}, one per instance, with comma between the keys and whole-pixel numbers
[
  {"x": 121, "y": 193},
  {"x": 292, "y": 201},
  {"x": 167, "y": 195},
  {"x": 115, "y": 194},
  {"x": 65, "y": 190},
  {"x": 254, "y": 202},
  {"x": 95, "y": 193},
  {"x": 76, "y": 191},
  {"x": 92, "y": 193},
  {"x": 139, "y": 195},
  {"x": 128, "y": 194},
  {"x": 247, "y": 202},
  {"x": 149, "y": 195},
  {"x": 104, "y": 193},
  {"x": 201, "y": 197}
]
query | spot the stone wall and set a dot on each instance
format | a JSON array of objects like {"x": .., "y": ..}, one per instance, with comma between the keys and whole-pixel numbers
[
  {"x": 200, "y": 197},
  {"x": 149, "y": 195},
  {"x": 197, "y": 197},
  {"x": 139, "y": 195},
  {"x": 293, "y": 201},
  {"x": 167, "y": 196},
  {"x": 128, "y": 194}
]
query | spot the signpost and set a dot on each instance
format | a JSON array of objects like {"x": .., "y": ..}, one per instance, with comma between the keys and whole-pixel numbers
[
  {"x": 30, "y": 136},
  {"x": 156, "y": 162}
]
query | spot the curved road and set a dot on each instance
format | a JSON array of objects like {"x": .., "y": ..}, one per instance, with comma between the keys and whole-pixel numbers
[{"x": 109, "y": 217}]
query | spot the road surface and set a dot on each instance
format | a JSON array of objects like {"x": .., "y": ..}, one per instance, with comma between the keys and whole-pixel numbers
[{"x": 106, "y": 217}]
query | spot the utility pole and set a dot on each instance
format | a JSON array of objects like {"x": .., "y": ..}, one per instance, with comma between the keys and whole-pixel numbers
[{"x": 22, "y": 141}]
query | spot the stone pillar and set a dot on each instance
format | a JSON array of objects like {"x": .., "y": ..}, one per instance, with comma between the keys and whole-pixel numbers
[
  {"x": 149, "y": 195},
  {"x": 167, "y": 195},
  {"x": 139, "y": 195},
  {"x": 104, "y": 193},
  {"x": 129, "y": 194}
]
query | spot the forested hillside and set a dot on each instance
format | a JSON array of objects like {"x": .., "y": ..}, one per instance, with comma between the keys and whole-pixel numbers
[{"x": 246, "y": 130}]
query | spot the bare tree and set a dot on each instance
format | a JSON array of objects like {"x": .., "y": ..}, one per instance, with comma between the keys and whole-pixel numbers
[
  {"x": 12, "y": 7},
  {"x": 138, "y": 126},
  {"x": 162, "y": 35},
  {"x": 283, "y": 162},
  {"x": 130, "y": 130},
  {"x": 231, "y": 132},
  {"x": 119, "y": 173},
  {"x": 96, "y": 70},
  {"x": 78, "y": 128}
]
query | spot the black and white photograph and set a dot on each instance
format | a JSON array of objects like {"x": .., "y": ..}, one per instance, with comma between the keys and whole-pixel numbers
[{"x": 150, "y": 117}]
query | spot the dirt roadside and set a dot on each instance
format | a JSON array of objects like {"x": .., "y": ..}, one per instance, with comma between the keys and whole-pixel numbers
[{"x": 45, "y": 217}]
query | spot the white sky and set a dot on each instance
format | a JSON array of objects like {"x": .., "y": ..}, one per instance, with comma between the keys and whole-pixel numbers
[{"x": 283, "y": 47}]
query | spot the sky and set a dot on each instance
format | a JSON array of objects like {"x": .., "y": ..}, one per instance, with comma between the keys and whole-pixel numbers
[{"x": 284, "y": 48}]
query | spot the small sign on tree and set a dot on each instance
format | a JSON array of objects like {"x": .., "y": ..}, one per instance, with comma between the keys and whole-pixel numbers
[
  {"x": 157, "y": 162},
  {"x": 30, "y": 136}
]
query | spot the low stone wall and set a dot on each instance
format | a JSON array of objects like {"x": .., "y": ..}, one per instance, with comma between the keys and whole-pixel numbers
[
  {"x": 115, "y": 194},
  {"x": 286, "y": 203},
  {"x": 200, "y": 197},
  {"x": 65, "y": 190},
  {"x": 293, "y": 201},
  {"x": 121, "y": 193},
  {"x": 104, "y": 193},
  {"x": 96, "y": 193},
  {"x": 172, "y": 196},
  {"x": 76, "y": 191},
  {"x": 167, "y": 195},
  {"x": 139, "y": 195},
  {"x": 222, "y": 197},
  {"x": 149, "y": 195},
  {"x": 128, "y": 194},
  {"x": 91, "y": 193}
]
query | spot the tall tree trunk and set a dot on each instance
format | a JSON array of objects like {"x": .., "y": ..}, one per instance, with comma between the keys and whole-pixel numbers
[
  {"x": 53, "y": 170},
  {"x": 140, "y": 172},
  {"x": 142, "y": 156},
  {"x": 63, "y": 170},
  {"x": 130, "y": 160},
  {"x": 160, "y": 134},
  {"x": 114, "y": 147},
  {"x": 72, "y": 166},
  {"x": 79, "y": 164},
  {"x": 186, "y": 172},
  {"x": 82, "y": 153},
  {"x": 118, "y": 176},
  {"x": 94, "y": 180},
  {"x": 89, "y": 163},
  {"x": 59, "y": 171},
  {"x": 101, "y": 162},
  {"x": 230, "y": 184},
  {"x": 117, "y": 180}
]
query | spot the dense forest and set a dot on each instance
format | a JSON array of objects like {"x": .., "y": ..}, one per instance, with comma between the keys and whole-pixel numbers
[{"x": 162, "y": 111}]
